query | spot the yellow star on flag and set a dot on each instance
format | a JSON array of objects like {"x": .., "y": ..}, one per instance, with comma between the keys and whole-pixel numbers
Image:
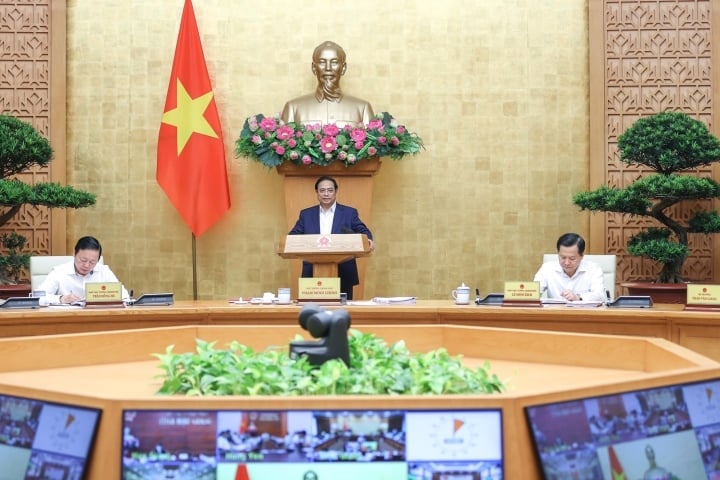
[{"x": 189, "y": 116}]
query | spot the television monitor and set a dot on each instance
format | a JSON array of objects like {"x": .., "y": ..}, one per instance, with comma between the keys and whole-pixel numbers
[
  {"x": 662, "y": 433},
  {"x": 45, "y": 440},
  {"x": 312, "y": 444}
]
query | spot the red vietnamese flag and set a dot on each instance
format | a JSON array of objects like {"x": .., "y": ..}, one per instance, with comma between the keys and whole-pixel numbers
[
  {"x": 616, "y": 468},
  {"x": 191, "y": 155}
]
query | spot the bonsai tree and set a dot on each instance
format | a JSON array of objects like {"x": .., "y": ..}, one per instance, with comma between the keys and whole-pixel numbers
[
  {"x": 13, "y": 262},
  {"x": 668, "y": 143},
  {"x": 22, "y": 148}
]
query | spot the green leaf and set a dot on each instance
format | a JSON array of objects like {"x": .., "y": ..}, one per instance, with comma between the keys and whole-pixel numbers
[{"x": 376, "y": 368}]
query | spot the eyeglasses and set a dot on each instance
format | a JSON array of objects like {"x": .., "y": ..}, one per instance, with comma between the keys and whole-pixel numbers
[
  {"x": 326, "y": 190},
  {"x": 86, "y": 261}
]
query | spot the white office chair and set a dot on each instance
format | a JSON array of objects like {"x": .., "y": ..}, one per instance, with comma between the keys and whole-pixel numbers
[
  {"x": 40, "y": 266},
  {"x": 608, "y": 263}
]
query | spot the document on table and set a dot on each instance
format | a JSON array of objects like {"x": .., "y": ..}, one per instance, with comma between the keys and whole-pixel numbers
[
  {"x": 395, "y": 300},
  {"x": 584, "y": 303},
  {"x": 553, "y": 301}
]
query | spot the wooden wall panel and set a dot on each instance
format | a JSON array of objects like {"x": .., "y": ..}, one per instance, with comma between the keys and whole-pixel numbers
[
  {"x": 646, "y": 57},
  {"x": 32, "y": 79}
]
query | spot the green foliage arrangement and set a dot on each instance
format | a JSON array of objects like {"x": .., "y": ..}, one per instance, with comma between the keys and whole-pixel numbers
[
  {"x": 668, "y": 143},
  {"x": 272, "y": 142},
  {"x": 13, "y": 262},
  {"x": 375, "y": 369},
  {"x": 22, "y": 148}
]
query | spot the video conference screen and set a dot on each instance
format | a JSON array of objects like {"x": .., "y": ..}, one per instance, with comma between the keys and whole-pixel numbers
[
  {"x": 313, "y": 445},
  {"x": 44, "y": 440},
  {"x": 665, "y": 433}
]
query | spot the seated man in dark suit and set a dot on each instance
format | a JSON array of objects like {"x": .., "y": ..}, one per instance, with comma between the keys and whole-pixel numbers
[{"x": 332, "y": 217}]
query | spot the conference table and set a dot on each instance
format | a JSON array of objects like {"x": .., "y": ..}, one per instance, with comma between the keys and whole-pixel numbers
[{"x": 696, "y": 330}]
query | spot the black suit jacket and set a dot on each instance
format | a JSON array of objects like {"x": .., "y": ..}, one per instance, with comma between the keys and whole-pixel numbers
[{"x": 345, "y": 220}]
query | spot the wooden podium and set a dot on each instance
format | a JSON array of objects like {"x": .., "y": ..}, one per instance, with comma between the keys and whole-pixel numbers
[{"x": 324, "y": 251}]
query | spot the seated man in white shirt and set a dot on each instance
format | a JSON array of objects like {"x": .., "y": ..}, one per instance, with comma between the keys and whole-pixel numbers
[
  {"x": 66, "y": 283},
  {"x": 572, "y": 278}
]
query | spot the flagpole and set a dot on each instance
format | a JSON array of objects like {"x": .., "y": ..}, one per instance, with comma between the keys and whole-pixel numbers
[
  {"x": 194, "y": 267},
  {"x": 191, "y": 165}
]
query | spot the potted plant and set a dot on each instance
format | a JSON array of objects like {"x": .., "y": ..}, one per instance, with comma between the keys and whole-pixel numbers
[
  {"x": 22, "y": 148},
  {"x": 376, "y": 368},
  {"x": 670, "y": 144}
]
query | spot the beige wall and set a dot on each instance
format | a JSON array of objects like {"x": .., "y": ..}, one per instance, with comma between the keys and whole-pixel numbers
[{"x": 498, "y": 90}]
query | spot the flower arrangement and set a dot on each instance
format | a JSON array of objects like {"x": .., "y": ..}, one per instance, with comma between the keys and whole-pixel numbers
[{"x": 271, "y": 141}]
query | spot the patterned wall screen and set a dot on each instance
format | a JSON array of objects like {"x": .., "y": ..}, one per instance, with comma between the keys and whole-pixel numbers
[
  {"x": 656, "y": 57},
  {"x": 25, "y": 94}
]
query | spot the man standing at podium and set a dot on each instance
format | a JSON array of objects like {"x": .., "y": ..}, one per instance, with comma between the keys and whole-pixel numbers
[{"x": 331, "y": 217}]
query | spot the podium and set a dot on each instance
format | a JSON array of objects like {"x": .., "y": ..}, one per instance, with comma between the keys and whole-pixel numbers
[{"x": 324, "y": 251}]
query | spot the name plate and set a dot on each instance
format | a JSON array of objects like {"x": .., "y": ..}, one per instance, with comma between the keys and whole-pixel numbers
[
  {"x": 519, "y": 291},
  {"x": 522, "y": 294},
  {"x": 103, "y": 294},
  {"x": 703, "y": 294},
  {"x": 319, "y": 289}
]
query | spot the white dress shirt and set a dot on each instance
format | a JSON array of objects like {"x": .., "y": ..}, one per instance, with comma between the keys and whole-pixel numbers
[
  {"x": 587, "y": 281},
  {"x": 63, "y": 280},
  {"x": 326, "y": 219}
]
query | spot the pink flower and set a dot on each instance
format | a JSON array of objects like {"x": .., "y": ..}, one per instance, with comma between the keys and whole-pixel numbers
[
  {"x": 268, "y": 124},
  {"x": 395, "y": 141},
  {"x": 358, "y": 135},
  {"x": 280, "y": 150},
  {"x": 306, "y": 159},
  {"x": 342, "y": 155},
  {"x": 294, "y": 155},
  {"x": 359, "y": 145},
  {"x": 284, "y": 132},
  {"x": 372, "y": 151},
  {"x": 351, "y": 158},
  {"x": 382, "y": 140},
  {"x": 291, "y": 143},
  {"x": 331, "y": 130},
  {"x": 256, "y": 139},
  {"x": 328, "y": 144},
  {"x": 400, "y": 129},
  {"x": 374, "y": 124}
]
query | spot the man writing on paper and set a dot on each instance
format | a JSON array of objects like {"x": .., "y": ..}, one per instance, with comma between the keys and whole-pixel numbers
[
  {"x": 66, "y": 283},
  {"x": 572, "y": 278},
  {"x": 332, "y": 217}
]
